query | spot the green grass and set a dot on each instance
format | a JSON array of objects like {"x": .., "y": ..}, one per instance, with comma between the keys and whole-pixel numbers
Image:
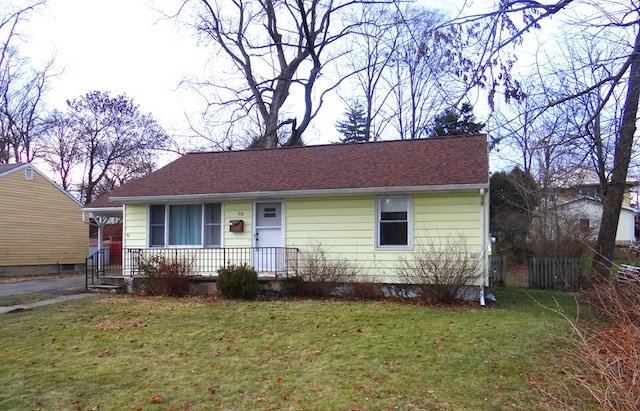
[
  {"x": 118, "y": 352},
  {"x": 24, "y": 299}
]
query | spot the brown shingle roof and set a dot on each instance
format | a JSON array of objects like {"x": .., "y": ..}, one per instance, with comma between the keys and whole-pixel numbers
[{"x": 404, "y": 163}]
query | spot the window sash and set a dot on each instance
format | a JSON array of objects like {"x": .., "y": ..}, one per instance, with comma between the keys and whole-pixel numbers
[
  {"x": 393, "y": 222},
  {"x": 156, "y": 225},
  {"x": 212, "y": 225},
  {"x": 185, "y": 224}
]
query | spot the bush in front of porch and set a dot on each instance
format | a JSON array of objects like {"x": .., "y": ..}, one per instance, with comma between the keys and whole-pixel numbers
[
  {"x": 238, "y": 282},
  {"x": 164, "y": 277}
]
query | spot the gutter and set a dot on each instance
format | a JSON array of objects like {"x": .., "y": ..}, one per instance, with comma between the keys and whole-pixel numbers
[
  {"x": 483, "y": 245},
  {"x": 339, "y": 192}
]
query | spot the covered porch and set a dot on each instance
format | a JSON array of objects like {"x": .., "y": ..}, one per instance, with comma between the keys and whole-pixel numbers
[{"x": 201, "y": 263}]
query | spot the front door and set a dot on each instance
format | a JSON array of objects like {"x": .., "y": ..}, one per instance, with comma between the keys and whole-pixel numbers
[{"x": 268, "y": 238}]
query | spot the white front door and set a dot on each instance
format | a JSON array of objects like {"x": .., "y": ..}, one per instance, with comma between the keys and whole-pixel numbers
[{"x": 268, "y": 256}]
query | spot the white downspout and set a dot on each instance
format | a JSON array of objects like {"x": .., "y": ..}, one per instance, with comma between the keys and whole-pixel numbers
[{"x": 483, "y": 245}]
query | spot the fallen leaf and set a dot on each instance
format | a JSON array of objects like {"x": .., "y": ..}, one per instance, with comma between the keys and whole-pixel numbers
[{"x": 157, "y": 399}]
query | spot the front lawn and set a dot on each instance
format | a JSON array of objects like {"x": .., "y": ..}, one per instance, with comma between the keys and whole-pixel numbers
[{"x": 137, "y": 353}]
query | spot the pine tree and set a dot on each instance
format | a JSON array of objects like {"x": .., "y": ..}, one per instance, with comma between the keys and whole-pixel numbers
[
  {"x": 354, "y": 127},
  {"x": 454, "y": 122}
]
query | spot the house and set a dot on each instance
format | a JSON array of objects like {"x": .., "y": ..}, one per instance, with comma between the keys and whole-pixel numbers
[
  {"x": 41, "y": 227},
  {"x": 369, "y": 203},
  {"x": 576, "y": 196},
  {"x": 586, "y": 212}
]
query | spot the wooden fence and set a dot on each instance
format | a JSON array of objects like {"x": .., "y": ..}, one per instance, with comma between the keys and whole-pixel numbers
[
  {"x": 497, "y": 270},
  {"x": 562, "y": 273}
]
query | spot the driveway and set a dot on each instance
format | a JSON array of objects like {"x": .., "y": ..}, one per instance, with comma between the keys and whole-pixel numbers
[{"x": 55, "y": 286}]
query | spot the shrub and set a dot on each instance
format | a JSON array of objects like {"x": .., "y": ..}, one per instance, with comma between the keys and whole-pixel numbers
[
  {"x": 163, "y": 277},
  {"x": 441, "y": 272},
  {"x": 605, "y": 357},
  {"x": 240, "y": 282},
  {"x": 365, "y": 289},
  {"x": 559, "y": 234},
  {"x": 319, "y": 275}
]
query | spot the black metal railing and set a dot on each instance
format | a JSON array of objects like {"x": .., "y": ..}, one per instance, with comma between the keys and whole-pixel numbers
[
  {"x": 275, "y": 261},
  {"x": 101, "y": 263}
]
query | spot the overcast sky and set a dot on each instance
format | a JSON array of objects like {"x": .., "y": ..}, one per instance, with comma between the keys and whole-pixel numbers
[
  {"x": 120, "y": 46},
  {"x": 126, "y": 46}
]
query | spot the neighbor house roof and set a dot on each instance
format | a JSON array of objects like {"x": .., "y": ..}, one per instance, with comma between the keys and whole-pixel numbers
[
  {"x": 5, "y": 168},
  {"x": 592, "y": 200},
  {"x": 390, "y": 166}
]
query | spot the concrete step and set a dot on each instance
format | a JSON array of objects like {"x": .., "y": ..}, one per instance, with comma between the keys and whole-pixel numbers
[
  {"x": 111, "y": 280},
  {"x": 106, "y": 288}
]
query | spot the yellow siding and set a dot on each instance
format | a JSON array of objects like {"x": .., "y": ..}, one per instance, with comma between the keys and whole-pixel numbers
[
  {"x": 345, "y": 229},
  {"x": 135, "y": 226},
  {"x": 39, "y": 224},
  {"x": 237, "y": 210}
]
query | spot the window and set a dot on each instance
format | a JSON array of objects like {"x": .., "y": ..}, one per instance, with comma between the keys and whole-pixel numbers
[
  {"x": 269, "y": 212},
  {"x": 394, "y": 217},
  {"x": 156, "y": 225},
  {"x": 28, "y": 173},
  {"x": 212, "y": 225},
  {"x": 185, "y": 225},
  {"x": 584, "y": 225}
]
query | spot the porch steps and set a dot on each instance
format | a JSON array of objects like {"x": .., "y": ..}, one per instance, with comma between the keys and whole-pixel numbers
[
  {"x": 106, "y": 288},
  {"x": 113, "y": 284}
]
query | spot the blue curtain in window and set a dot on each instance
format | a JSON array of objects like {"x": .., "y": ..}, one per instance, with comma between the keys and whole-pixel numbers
[{"x": 185, "y": 225}]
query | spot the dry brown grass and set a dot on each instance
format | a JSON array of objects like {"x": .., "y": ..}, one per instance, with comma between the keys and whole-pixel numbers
[{"x": 605, "y": 355}]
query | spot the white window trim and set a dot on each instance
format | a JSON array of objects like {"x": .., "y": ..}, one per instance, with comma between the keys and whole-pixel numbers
[
  {"x": 166, "y": 226},
  {"x": 378, "y": 208}
]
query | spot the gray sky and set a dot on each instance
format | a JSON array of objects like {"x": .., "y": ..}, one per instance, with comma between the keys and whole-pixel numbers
[{"x": 120, "y": 46}]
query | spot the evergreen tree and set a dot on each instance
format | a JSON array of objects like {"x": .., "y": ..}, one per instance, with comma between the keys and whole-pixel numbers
[
  {"x": 454, "y": 122},
  {"x": 354, "y": 127}
]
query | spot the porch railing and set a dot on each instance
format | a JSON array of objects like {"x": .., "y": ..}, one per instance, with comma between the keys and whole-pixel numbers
[
  {"x": 274, "y": 261},
  {"x": 101, "y": 263}
]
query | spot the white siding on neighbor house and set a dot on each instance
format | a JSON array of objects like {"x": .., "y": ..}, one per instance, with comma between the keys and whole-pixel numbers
[
  {"x": 592, "y": 210},
  {"x": 626, "y": 227}
]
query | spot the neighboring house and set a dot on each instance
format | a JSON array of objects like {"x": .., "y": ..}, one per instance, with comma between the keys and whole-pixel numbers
[
  {"x": 576, "y": 195},
  {"x": 368, "y": 203},
  {"x": 41, "y": 227},
  {"x": 585, "y": 213}
]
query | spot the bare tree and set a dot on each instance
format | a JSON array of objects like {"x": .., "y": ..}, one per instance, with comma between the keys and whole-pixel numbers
[
  {"x": 279, "y": 48},
  {"x": 115, "y": 139},
  {"x": 62, "y": 147},
  {"x": 600, "y": 17},
  {"x": 373, "y": 46},
  {"x": 21, "y": 91}
]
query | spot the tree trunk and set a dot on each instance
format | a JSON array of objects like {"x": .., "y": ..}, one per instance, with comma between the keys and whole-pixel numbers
[{"x": 614, "y": 190}]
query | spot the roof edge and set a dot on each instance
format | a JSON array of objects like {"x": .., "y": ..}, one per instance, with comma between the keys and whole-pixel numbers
[
  {"x": 341, "y": 192},
  {"x": 18, "y": 167}
]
